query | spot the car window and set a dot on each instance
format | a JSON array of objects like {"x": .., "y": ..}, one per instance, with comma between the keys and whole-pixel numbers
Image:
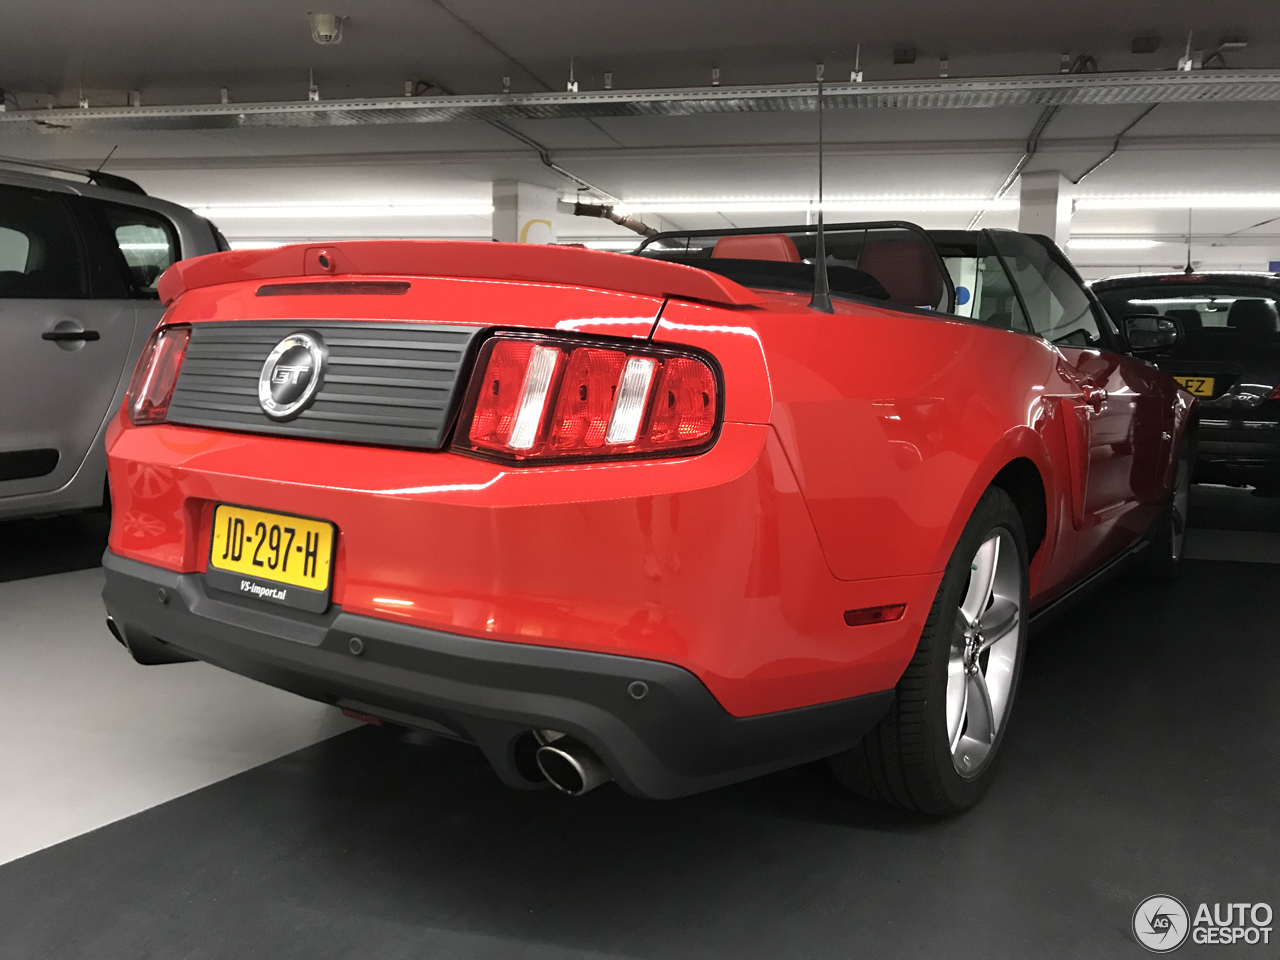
[
  {"x": 14, "y": 250},
  {"x": 1060, "y": 311},
  {"x": 146, "y": 241},
  {"x": 983, "y": 289},
  {"x": 1220, "y": 321},
  {"x": 41, "y": 255}
]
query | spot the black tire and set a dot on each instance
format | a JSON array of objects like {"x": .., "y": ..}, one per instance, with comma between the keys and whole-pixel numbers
[
  {"x": 1162, "y": 558},
  {"x": 907, "y": 759}
]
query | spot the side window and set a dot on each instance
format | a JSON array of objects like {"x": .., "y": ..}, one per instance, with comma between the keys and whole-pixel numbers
[
  {"x": 146, "y": 241},
  {"x": 15, "y": 248},
  {"x": 1060, "y": 311},
  {"x": 41, "y": 256},
  {"x": 983, "y": 290}
]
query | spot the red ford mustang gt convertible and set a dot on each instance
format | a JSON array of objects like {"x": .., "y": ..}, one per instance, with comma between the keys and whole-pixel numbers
[{"x": 654, "y": 518}]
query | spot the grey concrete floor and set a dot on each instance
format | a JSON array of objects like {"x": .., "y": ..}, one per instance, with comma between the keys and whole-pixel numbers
[{"x": 1142, "y": 759}]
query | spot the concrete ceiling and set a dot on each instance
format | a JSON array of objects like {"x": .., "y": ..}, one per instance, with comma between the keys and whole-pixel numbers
[{"x": 55, "y": 52}]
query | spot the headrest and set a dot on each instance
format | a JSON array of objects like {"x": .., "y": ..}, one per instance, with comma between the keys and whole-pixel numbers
[
  {"x": 1253, "y": 317},
  {"x": 758, "y": 246},
  {"x": 907, "y": 269},
  {"x": 1191, "y": 321}
]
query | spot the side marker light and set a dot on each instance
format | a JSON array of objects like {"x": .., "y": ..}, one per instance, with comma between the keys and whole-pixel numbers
[{"x": 882, "y": 614}]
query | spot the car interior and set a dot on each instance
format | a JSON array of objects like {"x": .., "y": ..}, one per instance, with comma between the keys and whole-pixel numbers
[
  {"x": 39, "y": 252},
  {"x": 891, "y": 263}
]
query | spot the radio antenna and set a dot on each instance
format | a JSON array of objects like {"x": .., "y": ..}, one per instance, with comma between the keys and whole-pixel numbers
[
  {"x": 821, "y": 289},
  {"x": 1188, "y": 271}
]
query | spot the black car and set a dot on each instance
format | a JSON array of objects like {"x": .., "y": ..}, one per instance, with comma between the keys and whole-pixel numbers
[{"x": 1228, "y": 356}]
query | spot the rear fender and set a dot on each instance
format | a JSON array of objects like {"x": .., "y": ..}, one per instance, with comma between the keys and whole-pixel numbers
[{"x": 1022, "y": 442}]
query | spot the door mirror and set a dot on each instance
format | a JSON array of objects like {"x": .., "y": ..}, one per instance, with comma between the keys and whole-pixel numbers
[{"x": 1152, "y": 335}]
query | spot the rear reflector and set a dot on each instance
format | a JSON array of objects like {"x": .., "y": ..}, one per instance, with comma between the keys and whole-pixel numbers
[
  {"x": 884, "y": 614},
  {"x": 537, "y": 397},
  {"x": 156, "y": 375}
]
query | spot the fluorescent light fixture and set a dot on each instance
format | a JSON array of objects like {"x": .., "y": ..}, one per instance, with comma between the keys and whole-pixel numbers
[
  {"x": 831, "y": 205},
  {"x": 615, "y": 245},
  {"x": 144, "y": 246},
  {"x": 1166, "y": 300},
  {"x": 1111, "y": 243},
  {"x": 1206, "y": 201},
  {"x": 345, "y": 211}
]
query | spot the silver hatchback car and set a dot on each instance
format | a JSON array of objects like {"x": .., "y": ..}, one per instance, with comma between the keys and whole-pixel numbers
[{"x": 79, "y": 263}]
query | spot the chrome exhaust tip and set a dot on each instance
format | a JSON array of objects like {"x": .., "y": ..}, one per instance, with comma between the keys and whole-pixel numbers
[{"x": 569, "y": 766}]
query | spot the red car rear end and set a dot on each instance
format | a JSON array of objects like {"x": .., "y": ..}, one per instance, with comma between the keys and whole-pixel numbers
[{"x": 577, "y": 508}]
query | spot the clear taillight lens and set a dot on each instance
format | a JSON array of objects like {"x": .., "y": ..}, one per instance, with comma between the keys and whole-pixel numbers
[
  {"x": 156, "y": 375},
  {"x": 535, "y": 397}
]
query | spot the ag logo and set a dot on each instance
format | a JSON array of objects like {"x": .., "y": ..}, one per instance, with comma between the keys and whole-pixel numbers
[
  {"x": 291, "y": 376},
  {"x": 1161, "y": 924}
]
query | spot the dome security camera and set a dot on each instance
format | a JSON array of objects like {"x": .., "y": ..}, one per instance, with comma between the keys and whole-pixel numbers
[{"x": 326, "y": 28}]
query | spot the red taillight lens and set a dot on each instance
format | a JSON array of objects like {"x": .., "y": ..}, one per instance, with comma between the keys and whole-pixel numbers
[
  {"x": 1275, "y": 393},
  {"x": 684, "y": 406},
  {"x": 586, "y": 396},
  {"x": 547, "y": 398},
  {"x": 156, "y": 375}
]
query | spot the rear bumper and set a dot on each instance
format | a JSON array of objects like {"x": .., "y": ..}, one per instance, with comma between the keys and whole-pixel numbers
[{"x": 677, "y": 739}]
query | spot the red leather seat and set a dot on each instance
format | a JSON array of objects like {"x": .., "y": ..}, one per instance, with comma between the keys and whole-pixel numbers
[
  {"x": 907, "y": 269},
  {"x": 760, "y": 246}
]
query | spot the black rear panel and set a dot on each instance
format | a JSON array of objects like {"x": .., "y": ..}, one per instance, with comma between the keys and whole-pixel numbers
[{"x": 385, "y": 384}]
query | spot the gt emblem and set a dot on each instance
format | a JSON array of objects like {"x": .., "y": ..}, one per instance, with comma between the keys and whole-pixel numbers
[{"x": 291, "y": 375}]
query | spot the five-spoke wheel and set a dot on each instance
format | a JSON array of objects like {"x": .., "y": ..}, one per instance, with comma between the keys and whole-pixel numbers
[
  {"x": 984, "y": 652},
  {"x": 936, "y": 749}
]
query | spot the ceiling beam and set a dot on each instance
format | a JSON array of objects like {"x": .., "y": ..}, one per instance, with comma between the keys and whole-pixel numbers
[
  {"x": 1202, "y": 86},
  {"x": 859, "y": 148}
]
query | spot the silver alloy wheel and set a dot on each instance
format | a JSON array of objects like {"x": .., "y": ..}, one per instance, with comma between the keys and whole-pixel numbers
[
  {"x": 1181, "y": 498},
  {"x": 984, "y": 652}
]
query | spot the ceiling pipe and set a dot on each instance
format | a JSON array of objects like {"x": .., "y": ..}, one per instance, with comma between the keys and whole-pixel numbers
[
  {"x": 1083, "y": 64},
  {"x": 606, "y": 212},
  {"x": 545, "y": 156}
]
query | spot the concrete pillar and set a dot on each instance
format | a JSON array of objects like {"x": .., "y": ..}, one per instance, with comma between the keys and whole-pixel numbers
[
  {"x": 1045, "y": 207},
  {"x": 523, "y": 212}
]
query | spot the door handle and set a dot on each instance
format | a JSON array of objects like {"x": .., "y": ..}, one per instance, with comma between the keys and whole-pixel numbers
[
  {"x": 1095, "y": 397},
  {"x": 62, "y": 336}
]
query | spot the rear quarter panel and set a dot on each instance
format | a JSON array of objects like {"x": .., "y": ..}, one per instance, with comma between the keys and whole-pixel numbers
[{"x": 894, "y": 424}]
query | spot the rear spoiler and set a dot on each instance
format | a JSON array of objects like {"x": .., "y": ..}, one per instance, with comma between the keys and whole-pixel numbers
[{"x": 536, "y": 263}]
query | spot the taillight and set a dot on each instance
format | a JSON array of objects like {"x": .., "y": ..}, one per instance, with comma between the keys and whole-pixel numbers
[
  {"x": 1275, "y": 393},
  {"x": 156, "y": 375},
  {"x": 535, "y": 397}
]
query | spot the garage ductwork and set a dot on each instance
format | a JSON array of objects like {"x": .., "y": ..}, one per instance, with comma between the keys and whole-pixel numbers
[{"x": 1218, "y": 86}]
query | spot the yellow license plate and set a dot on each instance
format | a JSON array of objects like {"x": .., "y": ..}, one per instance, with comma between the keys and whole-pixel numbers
[
  {"x": 1197, "y": 386},
  {"x": 259, "y": 546}
]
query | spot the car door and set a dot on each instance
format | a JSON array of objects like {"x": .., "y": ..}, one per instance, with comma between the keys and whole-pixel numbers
[
  {"x": 1119, "y": 409},
  {"x": 63, "y": 350}
]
